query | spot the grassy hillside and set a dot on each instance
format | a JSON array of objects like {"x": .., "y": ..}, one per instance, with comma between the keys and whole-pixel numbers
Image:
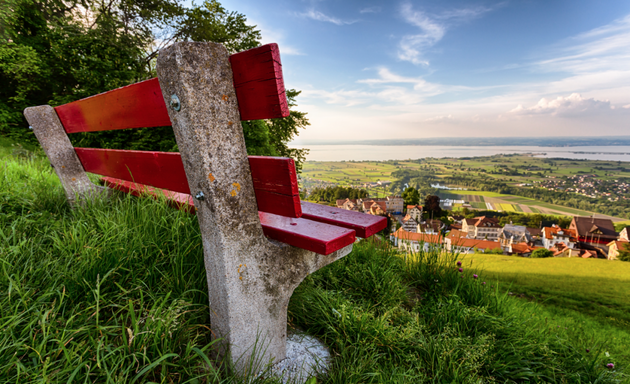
[
  {"x": 116, "y": 292},
  {"x": 598, "y": 287}
]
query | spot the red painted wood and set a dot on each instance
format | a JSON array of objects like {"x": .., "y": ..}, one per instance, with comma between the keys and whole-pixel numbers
[
  {"x": 306, "y": 234},
  {"x": 311, "y": 235},
  {"x": 365, "y": 225},
  {"x": 158, "y": 169},
  {"x": 259, "y": 84},
  {"x": 275, "y": 174},
  {"x": 275, "y": 180},
  {"x": 257, "y": 80},
  {"x": 134, "y": 106},
  {"x": 279, "y": 204},
  {"x": 178, "y": 200}
]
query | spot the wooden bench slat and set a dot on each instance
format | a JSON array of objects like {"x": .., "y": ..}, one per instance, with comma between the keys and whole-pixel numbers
[
  {"x": 163, "y": 170},
  {"x": 179, "y": 200},
  {"x": 258, "y": 83},
  {"x": 298, "y": 232},
  {"x": 365, "y": 225},
  {"x": 257, "y": 80},
  {"x": 134, "y": 106},
  {"x": 306, "y": 234},
  {"x": 275, "y": 180}
]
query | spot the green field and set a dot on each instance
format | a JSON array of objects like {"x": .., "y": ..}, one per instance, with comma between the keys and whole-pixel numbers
[{"x": 598, "y": 287}]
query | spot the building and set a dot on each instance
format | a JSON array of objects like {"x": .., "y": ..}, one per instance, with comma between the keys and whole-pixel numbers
[
  {"x": 409, "y": 224},
  {"x": 623, "y": 235},
  {"x": 415, "y": 211},
  {"x": 483, "y": 227},
  {"x": 395, "y": 204},
  {"x": 464, "y": 245},
  {"x": 433, "y": 226},
  {"x": 593, "y": 230},
  {"x": 416, "y": 242},
  {"x": 554, "y": 235},
  {"x": 392, "y": 204},
  {"x": 348, "y": 204},
  {"x": 512, "y": 234},
  {"x": 615, "y": 246}
]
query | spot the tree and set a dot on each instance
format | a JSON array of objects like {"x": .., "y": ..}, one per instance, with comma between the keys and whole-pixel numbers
[
  {"x": 411, "y": 196},
  {"x": 432, "y": 204},
  {"x": 57, "y": 51},
  {"x": 624, "y": 252},
  {"x": 541, "y": 253}
]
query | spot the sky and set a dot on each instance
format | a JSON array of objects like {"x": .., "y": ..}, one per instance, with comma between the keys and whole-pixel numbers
[{"x": 376, "y": 70}]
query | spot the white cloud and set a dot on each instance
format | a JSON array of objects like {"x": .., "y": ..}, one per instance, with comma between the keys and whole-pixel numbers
[
  {"x": 271, "y": 35},
  {"x": 441, "y": 119},
  {"x": 572, "y": 105},
  {"x": 433, "y": 27},
  {"x": 370, "y": 10},
  {"x": 319, "y": 16}
]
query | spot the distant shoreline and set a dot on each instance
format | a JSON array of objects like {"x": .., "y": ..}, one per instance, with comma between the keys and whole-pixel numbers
[
  {"x": 362, "y": 152},
  {"x": 550, "y": 142}
]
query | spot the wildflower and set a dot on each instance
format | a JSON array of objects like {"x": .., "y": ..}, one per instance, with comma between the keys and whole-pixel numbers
[
  {"x": 610, "y": 365},
  {"x": 475, "y": 276},
  {"x": 484, "y": 283},
  {"x": 461, "y": 270},
  {"x": 587, "y": 350},
  {"x": 459, "y": 263}
]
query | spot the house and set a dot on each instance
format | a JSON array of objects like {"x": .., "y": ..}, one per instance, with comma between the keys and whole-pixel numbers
[
  {"x": 377, "y": 208},
  {"x": 536, "y": 233},
  {"x": 483, "y": 227},
  {"x": 561, "y": 250},
  {"x": 415, "y": 242},
  {"x": 409, "y": 224},
  {"x": 593, "y": 230},
  {"x": 395, "y": 204},
  {"x": 554, "y": 235},
  {"x": 348, "y": 204},
  {"x": 615, "y": 246},
  {"x": 431, "y": 226},
  {"x": 521, "y": 249},
  {"x": 415, "y": 211},
  {"x": 463, "y": 245},
  {"x": 623, "y": 235},
  {"x": 511, "y": 234},
  {"x": 457, "y": 219},
  {"x": 392, "y": 204}
]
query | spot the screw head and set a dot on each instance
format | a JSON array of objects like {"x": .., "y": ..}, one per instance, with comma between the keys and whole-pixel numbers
[
  {"x": 200, "y": 195},
  {"x": 175, "y": 104}
]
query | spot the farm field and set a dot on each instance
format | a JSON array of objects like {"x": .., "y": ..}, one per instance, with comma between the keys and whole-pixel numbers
[
  {"x": 510, "y": 203},
  {"x": 528, "y": 169}
]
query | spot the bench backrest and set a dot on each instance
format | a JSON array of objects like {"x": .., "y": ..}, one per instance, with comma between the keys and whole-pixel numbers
[{"x": 240, "y": 202}]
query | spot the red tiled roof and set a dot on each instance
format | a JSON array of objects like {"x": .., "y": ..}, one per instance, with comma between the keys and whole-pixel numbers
[
  {"x": 549, "y": 232},
  {"x": 474, "y": 243},
  {"x": 401, "y": 234}
]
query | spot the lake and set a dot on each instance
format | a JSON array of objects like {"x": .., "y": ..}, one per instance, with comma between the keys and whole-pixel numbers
[{"x": 404, "y": 152}]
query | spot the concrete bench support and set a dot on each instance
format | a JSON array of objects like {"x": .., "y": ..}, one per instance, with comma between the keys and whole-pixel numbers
[{"x": 250, "y": 278}]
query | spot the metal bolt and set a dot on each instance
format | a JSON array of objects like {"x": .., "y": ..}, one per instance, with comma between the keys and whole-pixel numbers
[
  {"x": 175, "y": 104},
  {"x": 200, "y": 195}
]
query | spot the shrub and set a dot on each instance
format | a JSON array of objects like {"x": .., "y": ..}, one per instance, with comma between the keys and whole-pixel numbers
[{"x": 541, "y": 253}]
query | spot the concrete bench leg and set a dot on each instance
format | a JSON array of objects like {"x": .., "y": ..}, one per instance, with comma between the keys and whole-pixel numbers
[
  {"x": 57, "y": 146},
  {"x": 250, "y": 279}
]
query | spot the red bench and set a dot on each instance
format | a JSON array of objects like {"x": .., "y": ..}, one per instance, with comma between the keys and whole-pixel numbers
[{"x": 258, "y": 86}]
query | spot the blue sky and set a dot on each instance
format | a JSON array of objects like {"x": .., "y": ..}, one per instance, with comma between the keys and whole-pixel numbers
[{"x": 413, "y": 69}]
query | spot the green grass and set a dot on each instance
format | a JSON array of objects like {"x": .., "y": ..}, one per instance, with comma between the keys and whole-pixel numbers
[
  {"x": 116, "y": 292},
  {"x": 597, "y": 287}
]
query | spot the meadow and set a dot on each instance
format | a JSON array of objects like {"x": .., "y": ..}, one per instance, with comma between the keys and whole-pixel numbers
[{"x": 115, "y": 292}]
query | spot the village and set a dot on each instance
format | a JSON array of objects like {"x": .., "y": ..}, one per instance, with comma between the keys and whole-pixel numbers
[{"x": 413, "y": 231}]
